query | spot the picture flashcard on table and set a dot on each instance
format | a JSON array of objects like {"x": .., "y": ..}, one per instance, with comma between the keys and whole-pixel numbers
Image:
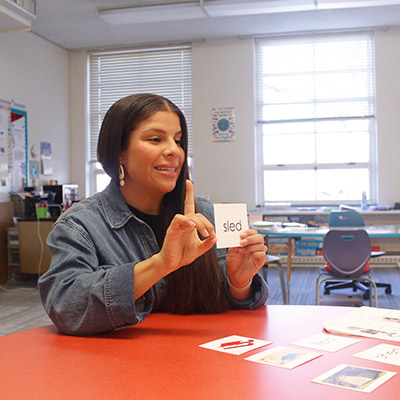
[
  {"x": 385, "y": 353},
  {"x": 354, "y": 378},
  {"x": 283, "y": 357},
  {"x": 235, "y": 344},
  {"x": 325, "y": 342},
  {"x": 230, "y": 220}
]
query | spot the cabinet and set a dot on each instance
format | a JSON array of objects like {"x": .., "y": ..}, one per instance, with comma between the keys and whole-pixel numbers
[
  {"x": 27, "y": 252},
  {"x": 34, "y": 254}
]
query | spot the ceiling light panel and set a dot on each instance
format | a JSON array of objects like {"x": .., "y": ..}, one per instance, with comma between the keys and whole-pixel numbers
[
  {"x": 225, "y": 8},
  {"x": 155, "y": 13},
  {"x": 334, "y": 4}
]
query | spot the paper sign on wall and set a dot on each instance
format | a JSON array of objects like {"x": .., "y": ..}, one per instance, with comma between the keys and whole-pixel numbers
[
  {"x": 223, "y": 124},
  {"x": 230, "y": 220}
]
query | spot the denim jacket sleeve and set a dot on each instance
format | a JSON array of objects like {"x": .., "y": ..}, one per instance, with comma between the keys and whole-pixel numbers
[
  {"x": 82, "y": 295},
  {"x": 89, "y": 285}
]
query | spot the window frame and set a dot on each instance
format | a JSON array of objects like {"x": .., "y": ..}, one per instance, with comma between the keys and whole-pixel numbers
[
  {"x": 175, "y": 84},
  {"x": 261, "y": 167}
]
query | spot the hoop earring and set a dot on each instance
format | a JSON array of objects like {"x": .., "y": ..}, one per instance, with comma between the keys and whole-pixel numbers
[{"x": 121, "y": 175}]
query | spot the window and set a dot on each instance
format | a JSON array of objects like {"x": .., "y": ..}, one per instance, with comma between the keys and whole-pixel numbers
[
  {"x": 316, "y": 119},
  {"x": 166, "y": 71}
]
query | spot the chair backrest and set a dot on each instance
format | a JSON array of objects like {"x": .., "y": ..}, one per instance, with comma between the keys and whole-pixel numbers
[
  {"x": 345, "y": 218},
  {"x": 347, "y": 252}
]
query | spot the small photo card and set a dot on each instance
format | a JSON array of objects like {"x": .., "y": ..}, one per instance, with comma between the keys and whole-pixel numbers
[
  {"x": 235, "y": 344},
  {"x": 283, "y": 357},
  {"x": 230, "y": 220},
  {"x": 354, "y": 378},
  {"x": 386, "y": 353},
  {"x": 325, "y": 342}
]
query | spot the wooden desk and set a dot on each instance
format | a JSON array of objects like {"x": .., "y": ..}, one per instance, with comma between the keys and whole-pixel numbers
[
  {"x": 293, "y": 233},
  {"x": 161, "y": 359}
]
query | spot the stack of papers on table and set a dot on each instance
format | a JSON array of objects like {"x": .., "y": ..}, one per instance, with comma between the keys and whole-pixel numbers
[
  {"x": 370, "y": 322},
  {"x": 267, "y": 225}
]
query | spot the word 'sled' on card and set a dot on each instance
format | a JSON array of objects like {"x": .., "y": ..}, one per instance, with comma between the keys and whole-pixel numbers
[{"x": 230, "y": 220}]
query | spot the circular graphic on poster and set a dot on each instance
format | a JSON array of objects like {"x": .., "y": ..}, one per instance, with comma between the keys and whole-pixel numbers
[{"x": 223, "y": 124}]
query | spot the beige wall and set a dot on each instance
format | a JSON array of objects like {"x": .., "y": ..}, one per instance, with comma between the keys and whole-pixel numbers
[
  {"x": 223, "y": 77},
  {"x": 34, "y": 73},
  {"x": 387, "y": 55},
  {"x": 52, "y": 83}
]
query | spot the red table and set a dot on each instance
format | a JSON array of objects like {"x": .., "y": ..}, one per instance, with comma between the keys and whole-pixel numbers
[{"x": 161, "y": 359}]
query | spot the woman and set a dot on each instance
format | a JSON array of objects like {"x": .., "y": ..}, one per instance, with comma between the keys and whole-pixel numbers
[{"x": 144, "y": 244}]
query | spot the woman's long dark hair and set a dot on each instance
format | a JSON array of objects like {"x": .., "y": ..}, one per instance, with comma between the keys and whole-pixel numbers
[{"x": 195, "y": 288}]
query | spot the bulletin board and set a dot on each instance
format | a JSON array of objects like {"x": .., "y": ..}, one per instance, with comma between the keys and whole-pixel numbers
[
  {"x": 5, "y": 140},
  {"x": 19, "y": 153},
  {"x": 13, "y": 148}
]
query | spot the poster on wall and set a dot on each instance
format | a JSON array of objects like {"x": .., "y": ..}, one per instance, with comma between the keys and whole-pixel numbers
[
  {"x": 19, "y": 156},
  {"x": 34, "y": 172},
  {"x": 223, "y": 124},
  {"x": 5, "y": 121},
  {"x": 47, "y": 160}
]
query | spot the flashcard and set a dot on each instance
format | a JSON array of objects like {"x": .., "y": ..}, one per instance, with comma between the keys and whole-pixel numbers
[
  {"x": 325, "y": 342},
  {"x": 385, "y": 353},
  {"x": 283, "y": 357},
  {"x": 235, "y": 344},
  {"x": 354, "y": 378},
  {"x": 230, "y": 220}
]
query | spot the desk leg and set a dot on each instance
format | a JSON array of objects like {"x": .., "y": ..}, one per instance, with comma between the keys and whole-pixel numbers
[{"x": 288, "y": 268}]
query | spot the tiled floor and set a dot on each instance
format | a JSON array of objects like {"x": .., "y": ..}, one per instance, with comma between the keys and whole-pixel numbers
[
  {"x": 20, "y": 308},
  {"x": 303, "y": 289}
]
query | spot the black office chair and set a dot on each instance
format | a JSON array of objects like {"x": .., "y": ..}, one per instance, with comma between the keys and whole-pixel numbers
[
  {"x": 351, "y": 218},
  {"x": 347, "y": 253}
]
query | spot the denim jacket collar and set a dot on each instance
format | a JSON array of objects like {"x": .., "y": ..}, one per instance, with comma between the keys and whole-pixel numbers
[{"x": 116, "y": 210}]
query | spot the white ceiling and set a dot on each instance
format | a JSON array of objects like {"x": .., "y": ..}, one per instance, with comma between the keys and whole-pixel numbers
[{"x": 75, "y": 24}]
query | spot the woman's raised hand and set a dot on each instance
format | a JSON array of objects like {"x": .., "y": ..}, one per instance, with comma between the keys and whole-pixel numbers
[{"x": 182, "y": 243}]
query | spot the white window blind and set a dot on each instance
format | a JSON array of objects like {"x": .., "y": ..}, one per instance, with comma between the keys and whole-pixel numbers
[
  {"x": 316, "y": 118},
  {"x": 166, "y": 71}
]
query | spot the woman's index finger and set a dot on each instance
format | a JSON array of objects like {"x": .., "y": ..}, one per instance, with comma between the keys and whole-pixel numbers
[{"x": 189, "y": 198}]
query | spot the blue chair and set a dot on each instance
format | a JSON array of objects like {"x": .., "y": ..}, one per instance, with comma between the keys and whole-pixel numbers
[
  {"x": 351, "y": 218},
  {"x": 347, "y": 253},
  {"x": 345, "y": 218}
]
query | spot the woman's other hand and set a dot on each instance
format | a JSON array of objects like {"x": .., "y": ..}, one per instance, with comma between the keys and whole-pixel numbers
[{"x": 243, "y": 262}]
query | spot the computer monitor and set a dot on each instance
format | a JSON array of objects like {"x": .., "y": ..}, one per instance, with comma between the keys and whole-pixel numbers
[{"x": 64, "y": 194}]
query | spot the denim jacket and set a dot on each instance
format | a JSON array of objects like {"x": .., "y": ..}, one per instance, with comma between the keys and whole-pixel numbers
[{"x": 95, "y": 246}]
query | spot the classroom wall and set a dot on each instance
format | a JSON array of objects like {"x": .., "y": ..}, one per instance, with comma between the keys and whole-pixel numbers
[
  {"x": 223, "y": 75},
  {"x": 79, "y": 121},
  {"x": 52, "y": 83},
  {"x": 387, "y": 55},
  {"x": 34, "y": 73}
]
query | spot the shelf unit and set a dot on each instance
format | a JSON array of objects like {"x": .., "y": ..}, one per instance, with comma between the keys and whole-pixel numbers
[{"x": 13, "y": 254}]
